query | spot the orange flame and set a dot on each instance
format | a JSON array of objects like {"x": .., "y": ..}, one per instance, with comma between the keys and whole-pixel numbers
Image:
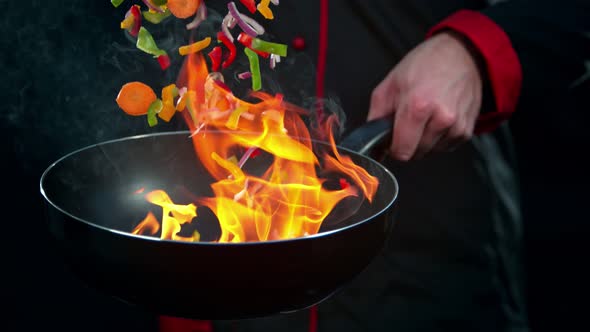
[{"x": 289, "y": 200}]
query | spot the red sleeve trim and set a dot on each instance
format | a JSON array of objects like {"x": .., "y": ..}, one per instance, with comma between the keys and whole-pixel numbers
[{"x": 502, "y": 64}]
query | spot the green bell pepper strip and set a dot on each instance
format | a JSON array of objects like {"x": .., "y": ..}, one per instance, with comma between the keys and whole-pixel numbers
[
  {"x": 117, "y": 3},
  {"x": 254, "y": 68},
  {"x": 146, "y": 43},
  {"x": 155, "y": 108},
  {"x": 159, "y": 2},
  {"x": 155, "y": 17},
  {"x": 264, "y": 46}
]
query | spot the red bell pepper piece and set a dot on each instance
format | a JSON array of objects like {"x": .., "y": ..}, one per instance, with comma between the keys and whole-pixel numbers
[
  {"x": 343, "y": 183},
  {"x": 164, "y": 61},
  {"x": 135, "y": 11},
  {"x": 230, "y": 46},
  {"x": 215, "y": 56},
  {"x": 250, "y": 4},
  {"x": 246, "y": 40}
]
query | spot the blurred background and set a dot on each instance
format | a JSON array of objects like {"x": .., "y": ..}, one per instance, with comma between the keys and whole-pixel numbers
[{"x": 63, "y": 63}]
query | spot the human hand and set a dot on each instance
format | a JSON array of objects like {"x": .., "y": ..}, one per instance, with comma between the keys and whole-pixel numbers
[{"x": 434, "y": 94}]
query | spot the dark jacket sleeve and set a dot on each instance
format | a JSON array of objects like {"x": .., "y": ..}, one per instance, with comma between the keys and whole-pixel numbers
[{"x": 552, "y": 41}]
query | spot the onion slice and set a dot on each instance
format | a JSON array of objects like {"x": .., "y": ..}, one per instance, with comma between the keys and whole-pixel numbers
[
  {"x": 200, "y": 16},
  {"x": 247, "y": 24}
]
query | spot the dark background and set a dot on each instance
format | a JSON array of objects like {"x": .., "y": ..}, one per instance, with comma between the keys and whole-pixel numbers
[{"x": 62, "y": 65}]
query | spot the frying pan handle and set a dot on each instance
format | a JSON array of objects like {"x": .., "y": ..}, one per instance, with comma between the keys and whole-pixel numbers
[{"x": 374, "y": 137}]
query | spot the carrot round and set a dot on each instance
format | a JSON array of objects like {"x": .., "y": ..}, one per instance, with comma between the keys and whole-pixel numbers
[
  {"x": 135, "y": 98},
  {"x": 183, "y": 8}
]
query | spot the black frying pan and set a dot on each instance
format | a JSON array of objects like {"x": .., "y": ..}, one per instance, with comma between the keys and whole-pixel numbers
[{"x": 91, "y": 210}]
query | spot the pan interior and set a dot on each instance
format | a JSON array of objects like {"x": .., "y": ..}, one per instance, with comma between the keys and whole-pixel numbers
[{"x": 100, "y": 184}]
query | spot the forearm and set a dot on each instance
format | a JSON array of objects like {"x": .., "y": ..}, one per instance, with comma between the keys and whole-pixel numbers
[{"x": 533, "y": 41}]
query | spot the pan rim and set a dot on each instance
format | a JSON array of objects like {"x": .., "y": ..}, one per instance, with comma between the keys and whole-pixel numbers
[{"x": 151, "y": 238}]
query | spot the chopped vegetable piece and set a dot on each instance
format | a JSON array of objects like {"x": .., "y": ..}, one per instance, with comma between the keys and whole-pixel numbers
[
  {"x": 117, "y": 3},
  {"x": 250, "y": 5},
  {"x": 152, "y": 6},
  {"x": 242, "y": 22},
  {"x": 155, "y": 17},
  {"x": 154, "y": 108},
  {"x": 136, "y": 12},
  {"x": 234, "y": 118},
  {"x": 164, "y": 61},
  {"x": 181, "y": 103},
  {"x": 146, "y": 43},
  {"x": 200, "y": 16},
  {"x": 230, "y": 46},
  {"x": 244, "y": 75},
  {"x": 127, "y": 23},
  {"x": 215, "y": 56},
  {"x": 233, "y": 159},
  {"x": 183, "y": 8},
  {"x": 265, "y": 10},
  {"x": 135, "y": 98},
  {"x": 159, "y": 2},
  {"x": 343, "y": 183},
  {"x": 191, "y": 97},
  {"x": 169, "y": 92},
  {"x": 275, "y": 48},
  {"x": 254, "y": 69},
  {"x": 246, "y": 40},
  {"x": 195, "y": 47}
]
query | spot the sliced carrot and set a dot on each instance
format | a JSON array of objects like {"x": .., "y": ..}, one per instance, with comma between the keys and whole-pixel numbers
[
  {"x": 135, "y": 98},
  {"x": 183, "y": 8}
]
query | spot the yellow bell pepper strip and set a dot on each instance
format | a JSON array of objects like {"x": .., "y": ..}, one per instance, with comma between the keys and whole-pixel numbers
[
  {"x": 117, "y": 3},
  {"x": 215, "y": 56},
  {"x": 254, "y": 69},
  {"x": 234, "y": 118},
  {"x": 273, "y": 48},
  {"x": 181, "y": 103},
  {"x": 191, "y": 97},
  {"x": 195, "y": 47},
  {"x": 155, "y": 17},
  {"x": 127, "y": 23},
  {"x": 169, "y": 92},
  {"x": 250, "y": 5},
  {"x": 154, "y": 109},
  {"x": 264, "y": 9},
  {"x": 230, "y": 46}
]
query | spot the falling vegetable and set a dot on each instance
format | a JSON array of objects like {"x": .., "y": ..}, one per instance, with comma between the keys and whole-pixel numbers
[
  {"x": 195, "y": 47},
  {"x": 246, "y": 40},
  {"x": 154, "y": 108},
  {"x": 264, "y": 9},
  {"x": 169, "y": 92},
  {"x": 132, "y": 21},
  {"x": 274, "y": 48},
  {"x": 117, "y": 3},
  {"x": 135, "y": 98},
  {"x": 250, "y": 5},
  {"x": 156, "y": 17},
  {"x": 254, "y": 69},
  {"x": 183, "y": 8},
  {"x": 215, "y": 56},
  {"x": 146, "y": 43},
  {"x": 230, "y": 46}
]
